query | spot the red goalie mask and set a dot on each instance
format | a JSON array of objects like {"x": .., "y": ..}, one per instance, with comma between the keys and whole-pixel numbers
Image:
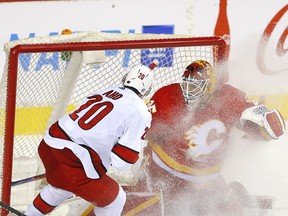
[{"x": 197, "y": 80}]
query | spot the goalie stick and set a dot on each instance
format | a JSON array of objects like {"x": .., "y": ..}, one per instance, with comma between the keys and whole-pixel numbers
[
  {"x": 10, "y": 209},
  {"x": 30, "y": 179}
]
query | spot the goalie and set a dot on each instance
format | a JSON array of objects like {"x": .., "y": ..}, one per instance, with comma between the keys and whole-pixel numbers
[{"x": 191, "y": 125}]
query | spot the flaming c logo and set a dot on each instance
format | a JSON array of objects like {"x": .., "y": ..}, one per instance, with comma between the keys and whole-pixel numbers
[{"x": 280, "y": 49}]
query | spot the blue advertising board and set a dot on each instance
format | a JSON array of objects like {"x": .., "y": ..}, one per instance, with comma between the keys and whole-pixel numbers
[{"x": 163, "y": 55}]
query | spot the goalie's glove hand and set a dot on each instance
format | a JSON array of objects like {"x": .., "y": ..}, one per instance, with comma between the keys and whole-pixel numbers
[{"x": 260, "y": 122}]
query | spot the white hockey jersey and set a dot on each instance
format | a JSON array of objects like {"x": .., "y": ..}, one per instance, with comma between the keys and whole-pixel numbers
[{"x": 110, "y": 117}]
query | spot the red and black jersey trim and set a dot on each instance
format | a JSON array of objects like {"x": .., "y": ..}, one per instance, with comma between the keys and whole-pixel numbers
[
  {"x": 96, "y": 161},
  {"x": 126, "y": 154},
  {"x": 42, "y": 206},
  {"x": 57, "y": 132}
]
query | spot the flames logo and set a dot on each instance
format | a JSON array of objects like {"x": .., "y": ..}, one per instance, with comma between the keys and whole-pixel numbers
[{"x": 205, "y": 139}]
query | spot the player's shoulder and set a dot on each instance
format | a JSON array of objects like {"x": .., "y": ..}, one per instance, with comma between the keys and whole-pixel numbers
[
  {"x": 228, "y": 90},
  {"x": 170, "y": 87},
  {"x": 139, "y": 112},
  {"x": 168, "y": 90},
  {"x": 106, "y": 90},
  {"x": 229, "y": 87},
  {"x": 134, "y": 105},
  {"x": 117, "y": 92}
]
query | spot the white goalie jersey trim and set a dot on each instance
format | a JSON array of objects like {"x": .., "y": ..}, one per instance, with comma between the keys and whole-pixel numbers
[{"x": 270, "y": 120}]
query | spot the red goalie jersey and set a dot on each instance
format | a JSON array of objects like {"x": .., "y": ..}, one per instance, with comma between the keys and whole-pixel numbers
[
  {"x": 190, "y": 143},
  {"x": 189, "y": 134}
]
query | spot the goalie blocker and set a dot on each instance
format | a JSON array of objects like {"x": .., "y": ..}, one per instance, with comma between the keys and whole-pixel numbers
[{"x": 260, "y": 122}]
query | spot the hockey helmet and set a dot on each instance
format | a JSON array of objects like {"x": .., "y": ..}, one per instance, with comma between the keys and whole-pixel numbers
[
  {"x": 140, "y": 78},
  {"x": 198, "y": 79}
]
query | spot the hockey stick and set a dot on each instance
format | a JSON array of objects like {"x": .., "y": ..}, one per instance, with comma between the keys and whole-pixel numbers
[
  {"x": 10, "y": 209},
  {"x": 30, "y": 179}
]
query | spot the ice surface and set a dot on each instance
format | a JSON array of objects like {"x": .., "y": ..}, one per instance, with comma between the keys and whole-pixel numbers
[{"x": 262, "y": 167}]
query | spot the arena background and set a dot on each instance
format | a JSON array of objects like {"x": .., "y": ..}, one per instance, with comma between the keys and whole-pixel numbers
[{"x": 259, "y": 67}]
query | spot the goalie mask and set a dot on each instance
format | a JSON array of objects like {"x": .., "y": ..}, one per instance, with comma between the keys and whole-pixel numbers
[
  {"x": 140, "y": 78},
  {"x": 198, "y": 81}
]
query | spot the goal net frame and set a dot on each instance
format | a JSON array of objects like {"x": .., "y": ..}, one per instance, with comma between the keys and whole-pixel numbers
[{"x": 72, "y": 43}]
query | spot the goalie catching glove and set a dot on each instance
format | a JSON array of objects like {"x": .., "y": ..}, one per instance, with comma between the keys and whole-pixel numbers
[{"x": 260, "y": 122}]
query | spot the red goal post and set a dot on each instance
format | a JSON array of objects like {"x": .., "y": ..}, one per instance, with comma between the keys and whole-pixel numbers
[{"x": 40, "y": 83}]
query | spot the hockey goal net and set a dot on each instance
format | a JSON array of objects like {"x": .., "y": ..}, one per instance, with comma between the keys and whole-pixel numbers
[{"x": 45, "y": 77}]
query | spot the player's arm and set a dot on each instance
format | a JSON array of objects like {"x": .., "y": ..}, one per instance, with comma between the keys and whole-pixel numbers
[
  {"x": 126, "y": 152},
  {"x": 122, "y": 157},
  {"x": 260, "y": 122}
]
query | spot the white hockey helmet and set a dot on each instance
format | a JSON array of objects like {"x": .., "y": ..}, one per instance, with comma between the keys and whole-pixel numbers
[{"x": 140, "y": 77}]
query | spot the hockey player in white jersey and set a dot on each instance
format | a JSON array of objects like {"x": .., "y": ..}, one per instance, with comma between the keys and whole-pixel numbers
[{"x": 108, "y": 128}]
